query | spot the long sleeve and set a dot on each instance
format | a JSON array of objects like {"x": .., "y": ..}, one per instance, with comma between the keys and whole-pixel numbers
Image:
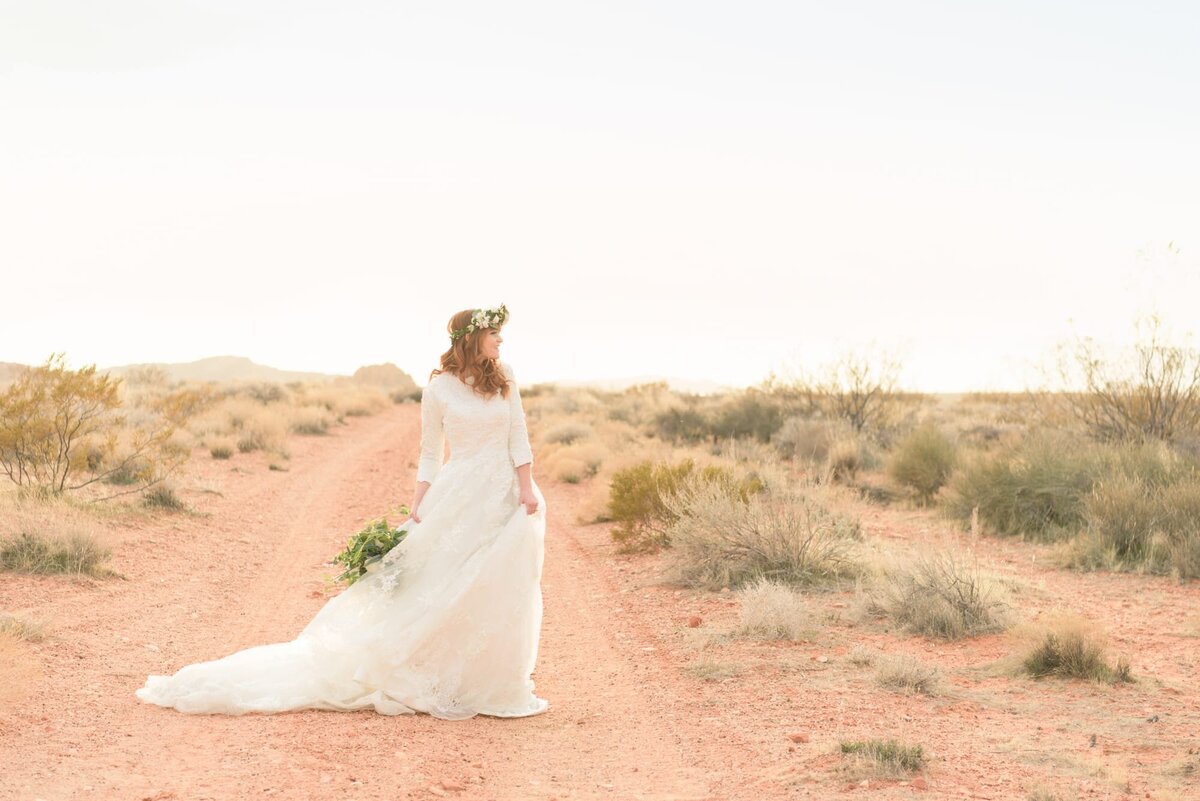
[
  {"x": 432, "y": 435},
  {"x": 518, "y": 433}
]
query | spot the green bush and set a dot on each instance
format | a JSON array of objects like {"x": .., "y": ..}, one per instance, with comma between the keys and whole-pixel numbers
[
  {"x": 638, "y": 495},
  {"x": 1035, "y": 489},
  {"x": 748, "y": 414},
  {"x": 1039, "y": 488},
  {"x": 682, "y": 424},
  {"x": 923, "y": 461},
  {"x": 1073, "y": 654},
  {"x": 1132, "y": 525}
]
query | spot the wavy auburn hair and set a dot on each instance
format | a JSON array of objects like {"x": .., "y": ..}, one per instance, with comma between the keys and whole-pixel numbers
[{"x": 465, "y": 361}]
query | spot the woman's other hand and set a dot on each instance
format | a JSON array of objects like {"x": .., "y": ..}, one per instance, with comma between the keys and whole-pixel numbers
[{"x": 529, "y": 501}]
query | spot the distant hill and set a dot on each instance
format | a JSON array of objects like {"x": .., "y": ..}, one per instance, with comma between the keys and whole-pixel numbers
[
  {"x": 223, "y": 368},
  {"x": 385, "y": 376}
]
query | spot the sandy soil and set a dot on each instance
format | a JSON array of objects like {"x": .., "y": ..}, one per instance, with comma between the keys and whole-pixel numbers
[{"x": 650, "y": 699}]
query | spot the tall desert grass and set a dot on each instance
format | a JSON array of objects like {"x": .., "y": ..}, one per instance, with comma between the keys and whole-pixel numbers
[
  {"x": 50, "y": 536},
  {"x": 720, "y": 540}
]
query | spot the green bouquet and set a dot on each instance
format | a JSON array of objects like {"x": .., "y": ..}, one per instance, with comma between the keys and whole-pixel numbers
[{"x": 369, "y": 546}]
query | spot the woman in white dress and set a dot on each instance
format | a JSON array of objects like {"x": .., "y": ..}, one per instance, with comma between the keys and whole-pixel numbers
[{"x": 448, "y": 622}]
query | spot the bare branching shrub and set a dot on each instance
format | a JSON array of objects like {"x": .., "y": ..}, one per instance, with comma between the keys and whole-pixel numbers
[
  {"x": 1134, "y": 525},
  {"x": 723, "y": 541},
  {"x": 860, "y": 388},
  {"x": 772, "y": 610},
  {"x": 60, "y": 430},
  {"x": 923, "y": 462},
  {"x": 1152, "y": 393},
  {"x": 941, "y": 595},
  {"x": 1069, "y": 647},
  {"x": 906, "y": 674}
]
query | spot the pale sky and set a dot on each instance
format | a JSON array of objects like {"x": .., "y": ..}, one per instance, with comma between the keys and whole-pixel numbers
[{"x": 694, "y": 189}]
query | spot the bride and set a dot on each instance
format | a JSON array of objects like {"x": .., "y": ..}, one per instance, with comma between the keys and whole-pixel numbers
[{"x": 447, "y": 623}]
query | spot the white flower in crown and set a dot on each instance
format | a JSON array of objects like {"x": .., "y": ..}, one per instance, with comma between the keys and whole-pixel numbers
[{"x": 481, "y": 319}]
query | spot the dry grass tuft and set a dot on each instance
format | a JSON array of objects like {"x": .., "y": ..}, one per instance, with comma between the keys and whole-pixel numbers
[
  {"x": 888, "y": 758},
  {"x": 710, "y": 670},
  {"x": 21, "y": 629},
  {"x": 941, "y": 595},
  {"x": 1069, "y": 647},
  {"x": 50, "y": 536},
  {"x": 907, "y": 675},
  {"x": 773, "y": 611}
]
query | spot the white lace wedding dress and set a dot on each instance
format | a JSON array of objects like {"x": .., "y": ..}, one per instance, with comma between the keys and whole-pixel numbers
[{"x": 447, "y": 623}]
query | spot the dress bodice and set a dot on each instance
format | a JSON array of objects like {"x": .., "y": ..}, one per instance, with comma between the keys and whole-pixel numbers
[{"x": 476, "y": 428}]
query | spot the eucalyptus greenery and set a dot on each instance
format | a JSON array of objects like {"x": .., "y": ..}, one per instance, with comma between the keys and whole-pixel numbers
[{"x": 368, "y": 546}]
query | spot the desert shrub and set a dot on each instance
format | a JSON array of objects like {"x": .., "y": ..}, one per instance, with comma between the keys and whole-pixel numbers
[
  {"x": 222, "y": 449},
  {"x": 800, "y": 438},
  {"x": 923, "y": 461},
  {"x": 845, "y": 459},
  {"x": 1035, "y": 489},
  {"x": 163, "y": 497},
  {"x": 940, "y": 595},
  {"x": 60, "y": 430},
  {"x": 21, "y": 629},
  {"x": 886, "y": 757},
  {"x": 772, "y": 610},
  {"x": 1073, "y": 651},
  {"x": 75, "y": 552},
  {"x": 264, "y": 431},
  {"x": 638, "y": 498},
  {"x": 1132, "y": 525},
  {"x": 751, "y": 413},
  {"x": 721, "y": 540},
  {"x": 414, "y": 395},
  {"x": 907, "y": 675},
  {"x": 682, "y": 424},
  {"x": 310, "y": 420},
  {"x": 1040, "y": 487},
  {"x": 567, "y": 432}
]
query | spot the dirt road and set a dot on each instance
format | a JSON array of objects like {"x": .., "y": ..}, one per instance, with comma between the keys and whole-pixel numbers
[
  {"x": 248, "y": 569},
  {"x": 650, "y": 698}
]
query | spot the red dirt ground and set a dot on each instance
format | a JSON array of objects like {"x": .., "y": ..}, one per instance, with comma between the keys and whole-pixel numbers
[{"x": 629, "y": 718}]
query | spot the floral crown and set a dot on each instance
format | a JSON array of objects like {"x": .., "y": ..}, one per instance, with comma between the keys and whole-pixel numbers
[{"x": 482, "y": 318}]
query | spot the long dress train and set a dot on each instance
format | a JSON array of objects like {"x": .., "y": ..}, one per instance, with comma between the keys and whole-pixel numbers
[{"x": 447, "y": 623}]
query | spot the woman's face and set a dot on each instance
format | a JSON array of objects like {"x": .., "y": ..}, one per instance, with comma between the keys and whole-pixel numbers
[{"x": 489, "y": 343}]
